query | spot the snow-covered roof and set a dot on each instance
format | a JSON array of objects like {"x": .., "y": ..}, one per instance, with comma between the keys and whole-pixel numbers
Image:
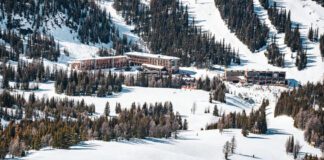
[
  {"x": 153, "y": 66},
  {"x": 97, "y": 58},
  {"x": 141, "y": 54}
]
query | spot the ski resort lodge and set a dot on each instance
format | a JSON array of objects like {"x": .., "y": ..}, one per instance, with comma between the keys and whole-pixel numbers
[
  {"x": 154, "y": 61},
  {"x": 146, "y": 60},
  {"x": 99, "y": 63},
  {"x": 256, "y": 77}
]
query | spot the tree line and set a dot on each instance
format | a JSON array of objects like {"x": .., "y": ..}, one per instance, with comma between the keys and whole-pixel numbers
[
  {"x": 91, "y": 23},
  {"x": 61, "y": 123},
  {"x": 88, "y": 83},
  {"x": 38, "y": 46},
  {"x": 293, "y": 147},
  {"x": 16, "y": 107},
  {"x": 305, "y": 105},
  {"x": 313, "y": 34},
  {"x": 26, "y": 75},
  {"x": 275, "y": 57},
  {"x": 166, "y": 28},
  {"x": 241, "y": 19},
  {"x": 215, "y": 86},
  {"x": 15, "y": 42},
  {"x": 311, "y": 157},
  {"x": 280, "y": 18},
  {"x": 321, "y": 2},
  {"x": 142, "y": 79},
  {"x": 255, "y": 122}
]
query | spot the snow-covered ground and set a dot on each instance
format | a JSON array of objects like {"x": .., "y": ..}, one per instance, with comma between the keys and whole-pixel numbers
[
  {"x": 307, "y": 13},
  {"x": 192, "y": 144},
  {"x": 69, "y": 41},
  {"x": 200, "y": 145},
  {"x": 182, "y": 100},
  {"x": 68, "y": 38},
  {"x": 273, "y": 32},
  {"x": 207, "y": 15}
]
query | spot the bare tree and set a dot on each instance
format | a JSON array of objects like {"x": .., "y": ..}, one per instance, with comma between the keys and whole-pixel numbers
[
  {"x": 233, "y": 145},
  {"x": 16, "y": 148},
  {"x": 227, "y": 149},
  {"x": 220, "y": 126},
  {"x": 194, "y": 108}
]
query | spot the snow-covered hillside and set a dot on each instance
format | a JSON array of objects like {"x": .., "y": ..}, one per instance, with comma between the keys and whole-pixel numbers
[
  {"x": 79, "y": 50},
  {"x": 207, "y": 15},
  {"x": 307, "y": 13},
  {"x": 67, "y": 36},
  {"x": 196, "y": 143},
  {"x": 279, "y": 37}
]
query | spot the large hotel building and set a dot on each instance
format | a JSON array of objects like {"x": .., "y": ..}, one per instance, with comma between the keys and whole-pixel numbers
[{"x": 146, "y": 60}]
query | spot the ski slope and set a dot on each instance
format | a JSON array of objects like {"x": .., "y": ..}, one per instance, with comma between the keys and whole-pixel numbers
[
  {"x": 207, "y": 15},
  {"x": 79, "y": 50},
  {"x": 306, "y": 13},
  {"x": 263, "y": 16}
]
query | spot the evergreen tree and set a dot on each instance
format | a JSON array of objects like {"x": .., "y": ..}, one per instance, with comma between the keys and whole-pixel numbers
[
  {"x": 290, "y": 144},
  {"x": 322, "y": 45},
  {"x": 233, "y": 145},
  {"x": 216, "y": 112},
  {"x": 107, "y": 109},
  {"x": 192, "y": 45},
  {"x": 185, "y": 124},
  {"x": 245, "y": 132},
  {"x": 242, "y": 20},
  {"x": 274, "y": 56}
]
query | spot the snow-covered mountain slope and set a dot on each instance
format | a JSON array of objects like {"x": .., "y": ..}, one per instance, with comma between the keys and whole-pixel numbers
[
  {"x": 67, "y": 36},
  {"x": 195, "y": 144},
  {"x": 207, "y": 15},
  {"x": 279, "y": 37},
  {"x": 119, "y": 22},
  {"x": 79, "y": 50},
  {"x": 307, "y": 13}
]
